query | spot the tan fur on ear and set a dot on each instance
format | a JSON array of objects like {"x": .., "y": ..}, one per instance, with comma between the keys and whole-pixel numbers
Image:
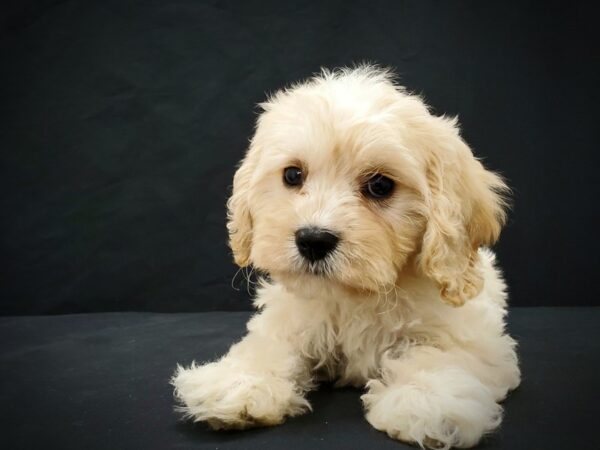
[
  {"x": 239, "y": 217},
  {"x": 466, "y": 210}
]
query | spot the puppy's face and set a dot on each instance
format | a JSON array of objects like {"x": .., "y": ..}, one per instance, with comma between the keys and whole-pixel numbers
[
  {"x": 335, "y": 194},
  {"x": 348, "y": 179}
]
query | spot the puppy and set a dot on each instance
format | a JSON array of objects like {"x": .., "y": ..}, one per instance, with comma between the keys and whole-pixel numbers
[{"x": 371, "y": 217}]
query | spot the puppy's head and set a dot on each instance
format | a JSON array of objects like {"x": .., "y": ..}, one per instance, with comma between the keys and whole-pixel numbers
[{"x": 349, "y": 180}]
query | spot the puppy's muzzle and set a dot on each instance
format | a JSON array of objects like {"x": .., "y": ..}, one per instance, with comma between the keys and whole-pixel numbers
[{"x": 315, "y": 243}]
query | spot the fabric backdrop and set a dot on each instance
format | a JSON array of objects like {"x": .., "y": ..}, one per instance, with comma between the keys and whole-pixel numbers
[{"x": 121, "y": 123}]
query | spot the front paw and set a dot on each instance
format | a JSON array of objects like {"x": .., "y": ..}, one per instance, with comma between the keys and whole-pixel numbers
[
  {"x": 226, "y": 397},
  {"x": 436, "y": 420}
]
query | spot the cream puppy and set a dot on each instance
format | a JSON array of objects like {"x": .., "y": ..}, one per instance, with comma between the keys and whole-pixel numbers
[{"x": 370, "y": 216}]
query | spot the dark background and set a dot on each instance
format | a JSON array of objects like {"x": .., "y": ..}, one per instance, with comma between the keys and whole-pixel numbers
[{"x": 121, "y": 123}]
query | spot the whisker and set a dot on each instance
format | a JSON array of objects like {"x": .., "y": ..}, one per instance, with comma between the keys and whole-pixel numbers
[{"x": 233, "y": 279}]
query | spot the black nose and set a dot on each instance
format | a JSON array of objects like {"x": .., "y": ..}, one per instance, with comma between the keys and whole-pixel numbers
[{"x": 315, "y": 243}]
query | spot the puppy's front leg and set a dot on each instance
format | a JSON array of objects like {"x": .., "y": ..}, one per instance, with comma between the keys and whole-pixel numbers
[
  {"x": 439, "y": 399},
  {"x": 258, "y": 383}
]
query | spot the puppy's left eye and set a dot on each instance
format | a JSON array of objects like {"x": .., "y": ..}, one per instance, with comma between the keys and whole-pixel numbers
[
  {"x": 292, "y": 176},
  {"x": 379, "y": 187}
]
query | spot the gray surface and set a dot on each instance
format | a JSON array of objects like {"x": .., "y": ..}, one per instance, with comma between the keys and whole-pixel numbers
[{"x": 100, "y": 381}]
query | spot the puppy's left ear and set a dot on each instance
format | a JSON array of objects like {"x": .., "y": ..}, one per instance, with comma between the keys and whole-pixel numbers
[
  {"x": 466, "y": 209},
  {"x": 239, "y": 216}
]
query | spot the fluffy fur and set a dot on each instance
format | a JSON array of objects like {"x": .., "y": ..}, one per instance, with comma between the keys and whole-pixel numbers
[{"x": 409, "y": 306}]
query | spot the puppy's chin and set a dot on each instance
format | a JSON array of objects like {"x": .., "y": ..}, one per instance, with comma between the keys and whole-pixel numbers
[
  {"x": 314, "y": 281},
  {"x": 307, "y": 284}
]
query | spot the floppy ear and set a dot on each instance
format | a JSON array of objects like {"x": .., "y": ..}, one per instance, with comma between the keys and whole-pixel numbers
[
  {"x": 466, "y": 209},
  {"x": 239, "y": 217}
]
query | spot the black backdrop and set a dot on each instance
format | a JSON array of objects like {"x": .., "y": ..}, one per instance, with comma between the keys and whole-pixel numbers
[{"x": 121, "y": 123}]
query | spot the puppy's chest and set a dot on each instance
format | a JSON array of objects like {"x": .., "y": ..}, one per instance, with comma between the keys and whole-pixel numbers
[
  {"x": 360, "y": 340},
  {"x": 371, "y": 339}
]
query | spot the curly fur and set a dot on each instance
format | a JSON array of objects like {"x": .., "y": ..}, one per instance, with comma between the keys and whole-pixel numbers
[{"x": 410, "y": 305}]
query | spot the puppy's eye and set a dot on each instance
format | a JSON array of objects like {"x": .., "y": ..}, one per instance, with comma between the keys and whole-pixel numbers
[
  {"x": 292, "y": 176},
  {"x": 379, "y": 187}
]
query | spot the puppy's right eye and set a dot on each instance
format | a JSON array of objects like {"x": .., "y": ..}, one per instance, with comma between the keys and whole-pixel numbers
[
  {"x": 379, "y": 187},
  {"x": 292, "y": 176}
]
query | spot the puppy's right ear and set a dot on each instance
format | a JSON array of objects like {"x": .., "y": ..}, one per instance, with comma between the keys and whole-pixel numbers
[{"x": 239, "y": 217}]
